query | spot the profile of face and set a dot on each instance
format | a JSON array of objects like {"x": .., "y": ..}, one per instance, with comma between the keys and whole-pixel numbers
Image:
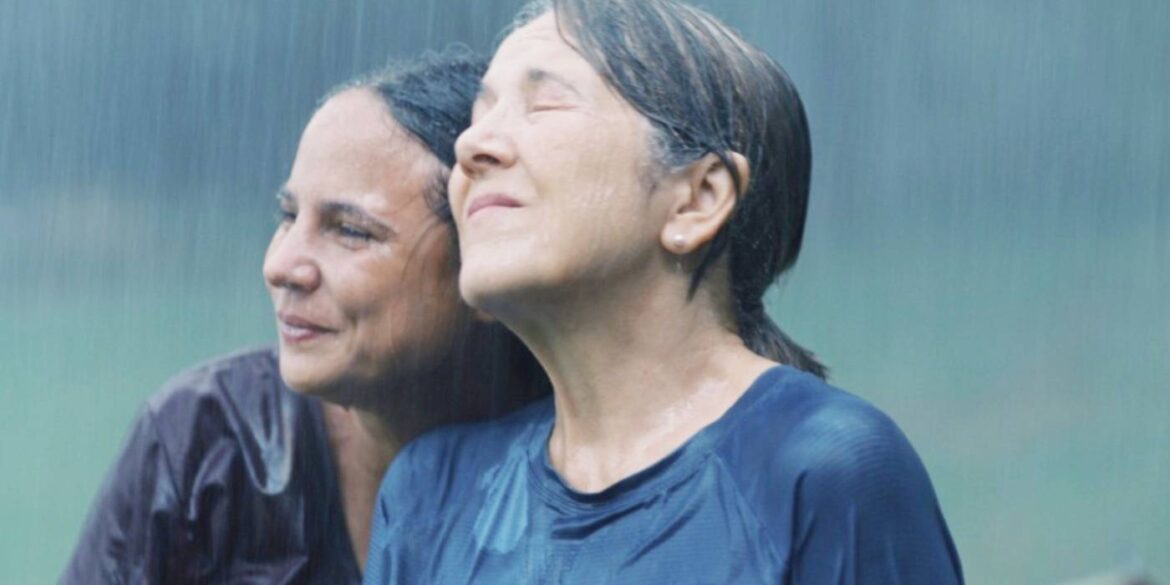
[
  {"x": 361, "y": 271},
  {"x": 553, "y": 191}
]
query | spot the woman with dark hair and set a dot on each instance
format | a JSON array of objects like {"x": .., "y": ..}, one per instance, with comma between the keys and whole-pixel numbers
[
  {"x": 635, "y": 176},
  {"x": 230, "y": 477}
]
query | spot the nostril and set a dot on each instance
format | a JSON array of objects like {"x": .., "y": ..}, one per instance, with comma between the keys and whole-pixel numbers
[
  {"x": 485, "y": 159},
  {"x": 293, "y": 274}
]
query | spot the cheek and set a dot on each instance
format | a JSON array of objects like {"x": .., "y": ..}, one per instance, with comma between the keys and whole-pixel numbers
[
  {"x": 603, "y": 205},
  {"x": 591, "y": 211},
  {"x": 434, "y": 266},
  {"x": 423, "y": 299},
  {"x": 401, "y": 321},
  {"x": 593, "y": 162},
  {"x": 268, "y": 269},
  {"x": 457, "y": 187}
]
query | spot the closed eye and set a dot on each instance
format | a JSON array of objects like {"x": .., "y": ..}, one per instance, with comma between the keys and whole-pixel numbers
[
  {"x": 286, "y": 211},
  {"x": 548, "y": 107},
  {"x": 283, "y": 216},
  {"x": 352, "y": 224},
  {"x": 353, "y": 232}
]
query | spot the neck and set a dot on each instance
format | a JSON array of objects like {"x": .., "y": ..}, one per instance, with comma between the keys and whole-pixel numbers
[
  {"x": 362, "y": 452},
  {"x": 637, "y": 370},
  {"x": 365, "y": 439}
]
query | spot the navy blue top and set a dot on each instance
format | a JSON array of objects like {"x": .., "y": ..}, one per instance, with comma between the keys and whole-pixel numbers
[{"x": 798, "y": 482}]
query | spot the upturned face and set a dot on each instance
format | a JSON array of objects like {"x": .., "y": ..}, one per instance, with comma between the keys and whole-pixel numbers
[
  {"x": 360, "y": 270},
  {"x": 551, "y": 193}
]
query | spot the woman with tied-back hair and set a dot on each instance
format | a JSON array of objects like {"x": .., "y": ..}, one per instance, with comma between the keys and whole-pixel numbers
[
  {"x": 635, "y": 177},
  {"x": 230, "y": 477}
]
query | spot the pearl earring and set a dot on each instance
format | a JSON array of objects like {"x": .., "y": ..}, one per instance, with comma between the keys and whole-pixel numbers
[{"x": 679, "y": 241}]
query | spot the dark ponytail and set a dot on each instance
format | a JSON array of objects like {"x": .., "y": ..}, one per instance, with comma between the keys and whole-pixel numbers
[{"x": 763, "y": 336}]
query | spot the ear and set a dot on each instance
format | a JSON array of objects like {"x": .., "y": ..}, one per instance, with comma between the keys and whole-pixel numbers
[{"x": 705, "y": 197}]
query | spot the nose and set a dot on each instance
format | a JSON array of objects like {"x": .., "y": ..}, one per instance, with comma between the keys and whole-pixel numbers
[
  {"x": 484, "y": 146},
  {"x": 289, "y": 263}
]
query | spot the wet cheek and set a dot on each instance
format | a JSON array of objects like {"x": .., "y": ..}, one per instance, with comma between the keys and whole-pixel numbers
[
  {"x": 267, "y": 267},
  {"x": 597, "y": 166},
  {"x": 363, "y": 291},
  {"x": 457, "y": 192}
]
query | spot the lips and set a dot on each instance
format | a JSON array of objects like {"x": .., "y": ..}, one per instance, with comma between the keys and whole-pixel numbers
[
  {"x": 489, "y": 201},
  {"x": 296, "y": 329}
]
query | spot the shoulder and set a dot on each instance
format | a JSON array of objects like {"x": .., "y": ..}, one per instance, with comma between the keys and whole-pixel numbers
[
  {"x": 823, "y": 443},
  {"x": 231, "y": 376},
  {"x": 242, "y": 385},
  {"x": 845, "y": 441},
  {"x": 439, "y": 465},
  {"x": 490, "y": 435},
  {"x": 234, "y": 404},
  {"x": 845, "y": 484},
  {"x": 220, "y": 441},
  {"x": 805, "y": 420},
  {"x": 836, "y": 475}
]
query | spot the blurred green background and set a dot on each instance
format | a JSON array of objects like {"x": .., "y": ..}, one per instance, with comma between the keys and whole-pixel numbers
[{"x": 987, "y": 256}]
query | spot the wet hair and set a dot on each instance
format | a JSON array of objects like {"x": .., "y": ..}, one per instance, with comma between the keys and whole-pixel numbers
[
  {"x": 705, "y": 90},
  {"x": 430, "y": 96}
]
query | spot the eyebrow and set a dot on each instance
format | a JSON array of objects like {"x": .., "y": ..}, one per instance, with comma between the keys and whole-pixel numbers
[
  {"x": 485, "y": 93},
  {"x": 283, "y": 195},
  {"x": 537, "y": 76},
  {"x": 336, "y": 208},
  {"x": 532, "y": 77}
]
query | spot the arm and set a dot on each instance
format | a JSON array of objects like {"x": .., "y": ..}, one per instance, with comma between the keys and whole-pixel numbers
[{"x": 133, "y": 526}]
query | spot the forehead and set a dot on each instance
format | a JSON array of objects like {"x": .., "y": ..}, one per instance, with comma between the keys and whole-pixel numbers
[
  {"x": 352, "y": 148},
  {"x": 353, "y": 125},
  {"x": 537, "y": 44}
]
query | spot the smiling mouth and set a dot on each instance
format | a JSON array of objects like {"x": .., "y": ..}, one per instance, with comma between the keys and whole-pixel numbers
[
  {"x": 494, "y": 200},
  {"x": 296, "y": 330}
]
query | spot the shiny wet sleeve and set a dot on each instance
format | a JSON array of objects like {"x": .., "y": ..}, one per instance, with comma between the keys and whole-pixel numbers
[
  {"x": 866, "y": 513},
  {"x": 132, "y": 528}
]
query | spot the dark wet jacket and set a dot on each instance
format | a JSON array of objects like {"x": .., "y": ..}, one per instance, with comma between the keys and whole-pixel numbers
[{"x": 226, "y": 477}]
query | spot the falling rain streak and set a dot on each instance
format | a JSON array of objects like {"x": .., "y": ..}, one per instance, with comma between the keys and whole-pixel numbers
[{"x": 987, "y": 256}]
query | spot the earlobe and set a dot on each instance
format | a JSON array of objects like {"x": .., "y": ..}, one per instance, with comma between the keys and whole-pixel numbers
[{"x": 705, "y": 202}]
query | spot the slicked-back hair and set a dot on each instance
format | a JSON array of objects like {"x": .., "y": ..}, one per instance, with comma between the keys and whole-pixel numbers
[
  {"x": 705, "y": 90},
  {"x": 430, "y": 97}
]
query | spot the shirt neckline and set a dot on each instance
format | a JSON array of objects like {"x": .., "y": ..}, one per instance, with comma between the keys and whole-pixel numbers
[{"x": 672, "y": 469}]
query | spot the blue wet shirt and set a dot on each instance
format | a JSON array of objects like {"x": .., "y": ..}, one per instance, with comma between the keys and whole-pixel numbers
[{"x": 798, "y": 482}]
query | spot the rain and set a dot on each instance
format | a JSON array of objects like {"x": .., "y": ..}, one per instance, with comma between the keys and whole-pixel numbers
[{"x": 987, "y": 256}]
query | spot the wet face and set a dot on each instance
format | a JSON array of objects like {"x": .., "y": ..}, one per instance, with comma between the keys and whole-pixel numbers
[
  {"x": 550, "y": 193},
  {"x": 361, "y": 271}
]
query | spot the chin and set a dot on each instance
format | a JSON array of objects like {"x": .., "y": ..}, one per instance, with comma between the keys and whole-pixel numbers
[
  {"x": 306, "y": 376},
  {"x": 487, "y": 289},
  {"x": 496, "y": 268},
  {"x": 510, "y": 286}
]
